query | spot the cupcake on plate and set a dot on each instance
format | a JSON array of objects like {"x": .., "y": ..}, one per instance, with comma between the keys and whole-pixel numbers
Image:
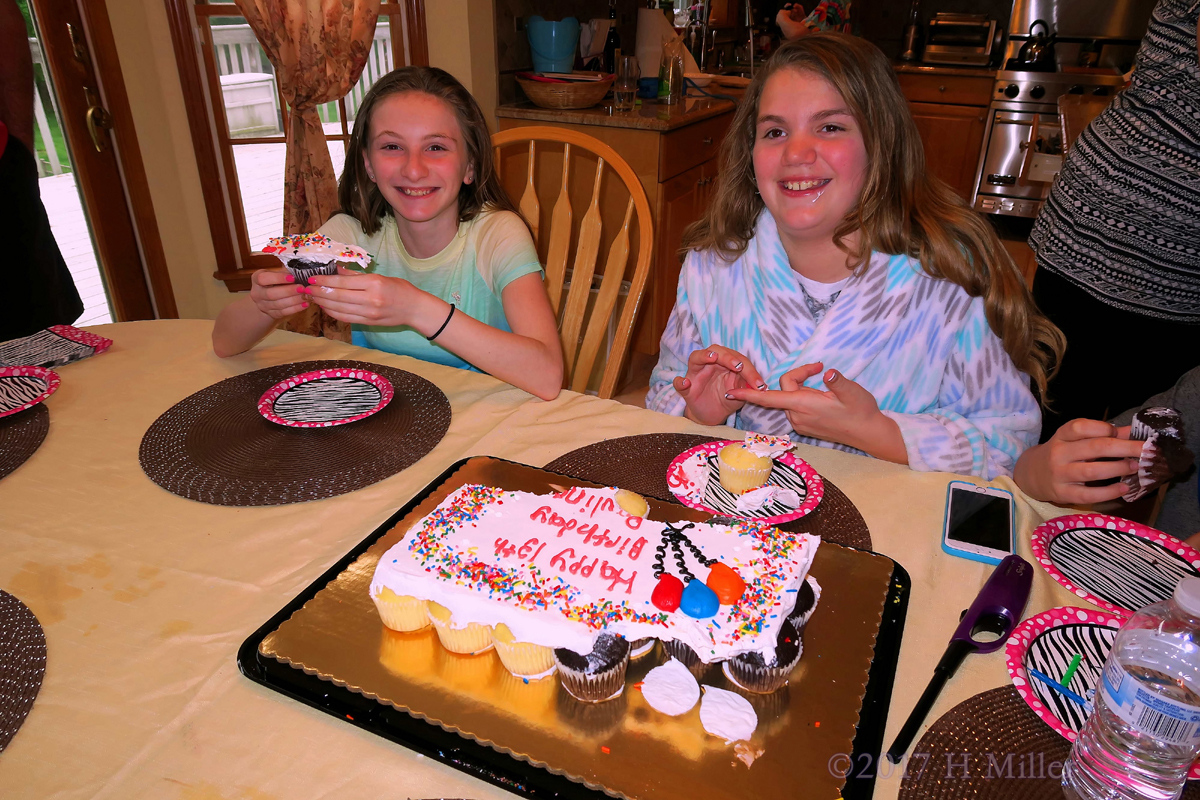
[
  {"x": 740, "y": 470},
  {"x": 401, "y": 612},
  {"x": 754, "y": 673},
  {"x": 522, "y": 659},
  {"x": 466, "y": 640},
  {"x": 598, "y": 675},
  {"x": 641, "y": 647}
]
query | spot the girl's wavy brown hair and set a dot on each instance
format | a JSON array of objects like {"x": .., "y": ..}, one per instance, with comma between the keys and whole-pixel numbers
[
  {"x": 902, "y": 209},
  {"x": 358, "y": 195}
]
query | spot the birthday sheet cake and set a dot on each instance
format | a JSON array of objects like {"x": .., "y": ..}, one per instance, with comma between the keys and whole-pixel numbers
[{"x": 560, "y": 569}]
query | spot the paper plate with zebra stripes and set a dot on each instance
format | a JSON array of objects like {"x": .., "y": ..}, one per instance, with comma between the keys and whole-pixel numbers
[
  {"x": 1048, "y": 642},
  {"x": 788, "y": 472},
  {"x": 52, "y": 347},
  {"x": 25, "y": 387},
  {"x": 1114, "y": 563},
  {"x": 326, "y": 398}
]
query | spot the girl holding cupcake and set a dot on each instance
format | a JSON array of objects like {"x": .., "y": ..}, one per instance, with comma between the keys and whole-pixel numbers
[
  {"x": 836, "y": 293},
  {"x": 457, "y": 279}
]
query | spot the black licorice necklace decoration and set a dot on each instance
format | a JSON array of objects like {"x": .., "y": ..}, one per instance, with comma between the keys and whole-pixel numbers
[{"x": 697, "y": 600}]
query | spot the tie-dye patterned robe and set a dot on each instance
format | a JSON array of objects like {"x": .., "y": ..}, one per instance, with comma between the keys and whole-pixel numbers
[{"x": 921, "y": 346}]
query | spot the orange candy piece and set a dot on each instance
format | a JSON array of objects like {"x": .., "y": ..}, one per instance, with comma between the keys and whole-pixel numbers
[{"x": 726, "y": 584}]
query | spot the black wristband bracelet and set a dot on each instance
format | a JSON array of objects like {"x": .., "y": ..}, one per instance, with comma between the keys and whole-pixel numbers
[{"x": 444, "y": 324}]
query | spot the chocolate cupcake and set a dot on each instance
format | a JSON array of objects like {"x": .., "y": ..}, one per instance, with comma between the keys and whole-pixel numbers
[
  {"x": 687, "y": 656},
  {"x": 806, "y": 603},
  {"x": 641, "y": 647},
  {"x": 597, "y": 676},
  {"x": 592, "y": 720},
  {"x": 303, "y": 269},
  {"x": 754, "y": 673},
  {"x": 1164, "y": 454}
]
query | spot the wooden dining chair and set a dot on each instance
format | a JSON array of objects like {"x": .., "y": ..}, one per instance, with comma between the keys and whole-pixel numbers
[{"x": 584, "y": 322}]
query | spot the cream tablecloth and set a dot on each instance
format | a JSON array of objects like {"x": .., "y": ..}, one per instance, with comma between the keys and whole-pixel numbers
[{"x": 145, "y": 596}]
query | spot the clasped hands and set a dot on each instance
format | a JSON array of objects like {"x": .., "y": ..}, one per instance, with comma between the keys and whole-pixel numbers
[
  {"x": 720, "y": 381},
  {"x": 347, "y": 296}
]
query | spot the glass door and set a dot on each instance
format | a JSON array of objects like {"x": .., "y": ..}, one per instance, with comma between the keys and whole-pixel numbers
[{"x": 60, "y": 192}]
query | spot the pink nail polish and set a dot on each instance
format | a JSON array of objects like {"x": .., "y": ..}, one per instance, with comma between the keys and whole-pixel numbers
[
  {"x": 291, "y": 278},
  {"x": 304, "y": 305}
]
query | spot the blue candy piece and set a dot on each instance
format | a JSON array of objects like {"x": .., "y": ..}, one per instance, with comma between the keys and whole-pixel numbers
[{"x": 699, "y": 601}]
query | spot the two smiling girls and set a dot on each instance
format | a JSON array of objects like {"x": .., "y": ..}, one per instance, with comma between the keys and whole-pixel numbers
[{"x": 828, "y": 258}]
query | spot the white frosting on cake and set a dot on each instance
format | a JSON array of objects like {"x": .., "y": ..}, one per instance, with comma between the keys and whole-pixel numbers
[
  {"x": 671, "y": 689},
  {"x": 727, "y": 715},
  {"x": 558, "y": 569},
  {"x": 690, "y": 477}
]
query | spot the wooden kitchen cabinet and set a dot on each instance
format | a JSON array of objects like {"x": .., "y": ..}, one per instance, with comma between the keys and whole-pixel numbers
[
  {"x": 674, "y": 152},
  {"x": 953, "y": 138},
  {"x": 951, "y": 112}
]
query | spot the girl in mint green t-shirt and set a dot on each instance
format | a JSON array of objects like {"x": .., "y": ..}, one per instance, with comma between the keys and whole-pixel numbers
[{"x": 456, "y": 279}]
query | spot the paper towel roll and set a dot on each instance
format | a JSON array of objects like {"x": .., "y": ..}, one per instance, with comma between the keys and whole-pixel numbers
[{"x": 652, "y": 30}]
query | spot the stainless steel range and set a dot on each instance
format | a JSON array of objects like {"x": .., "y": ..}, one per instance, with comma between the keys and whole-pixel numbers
[
  {"x": 1011, "y": 180},
  {"x": 1023, "y": 145}
]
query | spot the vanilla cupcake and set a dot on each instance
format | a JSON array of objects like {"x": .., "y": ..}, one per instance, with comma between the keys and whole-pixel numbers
[
  {"x": 632, "y": 503},
  {"x": 740, "y": 470},
  {"x": 522, "y": 659},
  {"x": 469, "y": 640},
  {"x": 401, "y": 612},
  {"x": 598, "y": 675}
]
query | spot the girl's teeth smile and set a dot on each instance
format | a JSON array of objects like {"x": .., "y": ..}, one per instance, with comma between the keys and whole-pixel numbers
[
  {"x": 415, "y": 192},
  {"x": 803, "y": 186}
]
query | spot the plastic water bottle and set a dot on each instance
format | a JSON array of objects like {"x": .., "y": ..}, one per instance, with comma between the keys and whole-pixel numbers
[{"x": 1144, "y": 732}]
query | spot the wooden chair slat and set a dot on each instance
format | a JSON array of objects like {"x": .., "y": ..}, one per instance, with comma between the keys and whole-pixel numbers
[
  {"x": 531, "y": 209},
  {"x": 560, "y": 236},
  {"x": 606, "y": 300},
  {"x": 580, "y": 360},
  {"x": 586, "y": 250}
]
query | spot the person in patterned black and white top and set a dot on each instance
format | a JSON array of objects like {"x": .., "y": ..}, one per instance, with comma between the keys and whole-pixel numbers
[
  {"x": 1118, "y": 241},
  {"x": 830, "y": 259}
]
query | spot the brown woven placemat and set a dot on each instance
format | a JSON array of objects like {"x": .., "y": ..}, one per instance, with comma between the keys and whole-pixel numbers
[
  {"x": 216, "y": 448},
  {"x": 20, "y": 435},
  {"x": 639, "y": 464},
  {"x": 22, "y": 664},
  {"x": 991, "y": 747}
]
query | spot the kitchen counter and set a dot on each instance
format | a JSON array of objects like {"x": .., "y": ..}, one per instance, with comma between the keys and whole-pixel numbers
[
  {"x": 649, "y": 115},
  {"x": 917, "y": 68}
]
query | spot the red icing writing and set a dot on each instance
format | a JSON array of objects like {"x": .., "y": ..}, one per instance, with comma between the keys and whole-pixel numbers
[
  {"x": 633, "y": 522},
  {"x": 540, "y": 514},
  {"x": 562, "y": 524},
  {"x": 616, "y": 576},
  {"x": 504, "y": 549},
  {"x": 636, "y": 550},
  {"x": 560, "y": 560},
  {"x": 574, "y": 495},
  {"x": 578, "y": 567},
  {"x": 605, "y": 505}
]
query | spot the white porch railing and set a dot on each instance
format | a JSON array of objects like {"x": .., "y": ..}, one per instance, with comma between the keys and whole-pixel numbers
[
  {"x": 237, "y": 52},
  {"x": 42, "y": 114}
]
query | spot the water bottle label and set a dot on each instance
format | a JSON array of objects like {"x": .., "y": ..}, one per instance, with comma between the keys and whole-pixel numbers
[{"x": 1149, "y": 713}]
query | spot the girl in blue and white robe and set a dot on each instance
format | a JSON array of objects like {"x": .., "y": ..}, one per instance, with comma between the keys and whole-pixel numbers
[{"x": 921, "y": 346}]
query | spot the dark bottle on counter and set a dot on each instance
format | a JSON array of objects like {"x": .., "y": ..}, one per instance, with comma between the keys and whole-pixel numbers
[
  {"x": 613, "y": 43},
  {"x": 910, "y": 49}
]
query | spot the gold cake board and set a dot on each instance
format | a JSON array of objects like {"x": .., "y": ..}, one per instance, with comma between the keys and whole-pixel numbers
[{"x": 622, "y": 747}]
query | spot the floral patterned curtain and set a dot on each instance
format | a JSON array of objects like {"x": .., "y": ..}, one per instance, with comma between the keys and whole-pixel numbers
[{"x": 318, "y": 49}]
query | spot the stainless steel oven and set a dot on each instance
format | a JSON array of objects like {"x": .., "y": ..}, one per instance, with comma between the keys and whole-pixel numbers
[{"x": 1023, "y": 143}]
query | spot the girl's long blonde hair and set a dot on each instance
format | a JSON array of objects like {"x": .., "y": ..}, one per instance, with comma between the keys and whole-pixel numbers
[
  {"x": 902, "y": 209},
  {"x": 359, "y": 197}
]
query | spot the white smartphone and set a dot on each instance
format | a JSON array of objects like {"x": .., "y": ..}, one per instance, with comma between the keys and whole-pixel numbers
[{"x": 979, "y": 522}]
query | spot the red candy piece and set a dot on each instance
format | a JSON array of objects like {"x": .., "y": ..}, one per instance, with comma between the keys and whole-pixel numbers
[
  {"x": 667, "y": 593},
  {"x": 726, "y": 584}
]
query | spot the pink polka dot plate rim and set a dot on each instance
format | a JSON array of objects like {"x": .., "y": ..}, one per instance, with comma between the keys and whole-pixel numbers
[
  {"x": 1046, "y": 642},
  {"x": 788, "y": 472},
  {"x": 22, "y": 388},
  {"x": 1114, "y": 563},
  {"x": 326, "y": 398},
  {"x": 95, "y": 341}
]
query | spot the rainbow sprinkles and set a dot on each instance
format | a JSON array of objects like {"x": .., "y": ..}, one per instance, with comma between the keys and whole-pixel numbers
[{"x": 559, "y": 569}]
